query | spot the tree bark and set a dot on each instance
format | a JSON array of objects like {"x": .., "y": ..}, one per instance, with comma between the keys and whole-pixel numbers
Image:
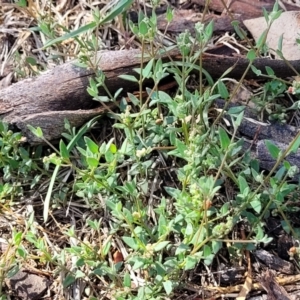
[
  {"x": 60, "y": 93},
  {"x": 258, "y": 133}
]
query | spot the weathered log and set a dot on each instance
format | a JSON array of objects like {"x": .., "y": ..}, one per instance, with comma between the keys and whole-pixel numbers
[
  {"x": 46, "y": 100},
  {"x": 61, "y": 91},
  {"x": 267, "y": 162},
  {"x": 65, "y": 86},
  {"x": 280, "y": 135},
  {"x": 272, "y": 287},
  {"x": 275, "y": 262}
]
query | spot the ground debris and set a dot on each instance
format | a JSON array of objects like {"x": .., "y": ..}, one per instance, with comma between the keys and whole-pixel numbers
[
  {"x": 274, "y": 262},
  {"x": 274, "y": 290},
  {"x": 28, "y": 286}
]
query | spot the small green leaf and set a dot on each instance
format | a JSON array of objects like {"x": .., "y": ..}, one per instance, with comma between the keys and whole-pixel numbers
[
  {"x": 286, "y": 227},
  {"x": 127, "y": 280},
  {"x": 238, "y": 120},
  {"x": 295, "y": 146},
  {"x": 133, "y": 99},
  {"x": 255, "y": 70},
  {"x": 106, "y": 247},
  {"x": 119, "y": 126},
  {"x": 216, "y": 246},
  {"x": 17, "y": 237},
  {"x": 266, "y": 14},
  {"x": 99, "y": 271},
  {"x": 209, "y": 259},
  {"x": 168, "y": 286},
  {"x": 161, "y": 245},
  {"x": 235, "y": 110},
  {"x": 68, "y": 280},
  {"x": 223, "y": 90},
  {"x": 13, "y": 271},
  {"x": 117, "y": 93},
  {"x": 93, "y": 224},
  {"x": 80, "y": 262},
  {"x": 270, "y": 72},
  {"x": 160, "y": 269},
  {"x": 242, "y": 183},
  {"x": 169, "y": 14},
  {"x": 143, "y": 28},
  {"x": 36, "y": 131},
  {"x": 224, "y": 209},
  {"x": 261, "y": 40},
  {"x": 139, "y": 263},
  {"x": 92, "y": 146},
  {"x": 280, "y": 173},
  {"x": 275, "y": 7},
  {"x": 191, "y": 262},
  {"x": 224, "y": 139},
  {"x": 73, "y": 34},
  {"x": 130, "y": 242},
  {"x": 272, "y": 148},
  {"x": 147, "y": 69},
  {"x": 251, "y": 55},
  {"x": 173, "y": 192},
  {"x": 92, "y": 162},
  {"x": 121, "y": 6},
  {"x": 259, "y": 232},
  {"x": 240, "y": 32},
  {"x": 182, "y": 248},
  {"x": 209, "y": 29},
  {"x": 22, "y": 3},
  {"x": 256, "y": 205},
  {"x": 31, "y": 60},
  {"x": 198, "y": 237},
  {"x": 113, "y": 148},
  {"x": 275, "y": 14},
  {"x": 79, "y": 274},
  {"x": 128, "y": 77},
  {"x": 21, "y": 252},
  {"x": 3, "y": 127},
  {"x": 93, "y": 84},
  {"x": 137, "y": 70},
  {"x": 63, "y": 150},
  {"x": 206, "y": 251},
  {"x": 164, "y": 97}
]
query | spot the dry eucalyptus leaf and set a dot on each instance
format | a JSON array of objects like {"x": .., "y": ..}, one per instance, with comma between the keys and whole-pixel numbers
[
  {"x": 287, "y": 24},
  {"x": 242, "y": 95}
]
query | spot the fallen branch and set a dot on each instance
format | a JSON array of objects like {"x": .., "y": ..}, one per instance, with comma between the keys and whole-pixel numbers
[
  {"x": 279, "y": 134},
  {"x": 46, "y": 100}
]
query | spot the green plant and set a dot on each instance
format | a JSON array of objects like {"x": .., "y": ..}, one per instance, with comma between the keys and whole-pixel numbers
[
  {"x": 165, "y": 192},
  {"x": 19, "y": 165}
]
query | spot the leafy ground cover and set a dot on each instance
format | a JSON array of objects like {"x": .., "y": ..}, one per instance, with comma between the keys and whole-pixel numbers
[{"x": 154, "y": 200}]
